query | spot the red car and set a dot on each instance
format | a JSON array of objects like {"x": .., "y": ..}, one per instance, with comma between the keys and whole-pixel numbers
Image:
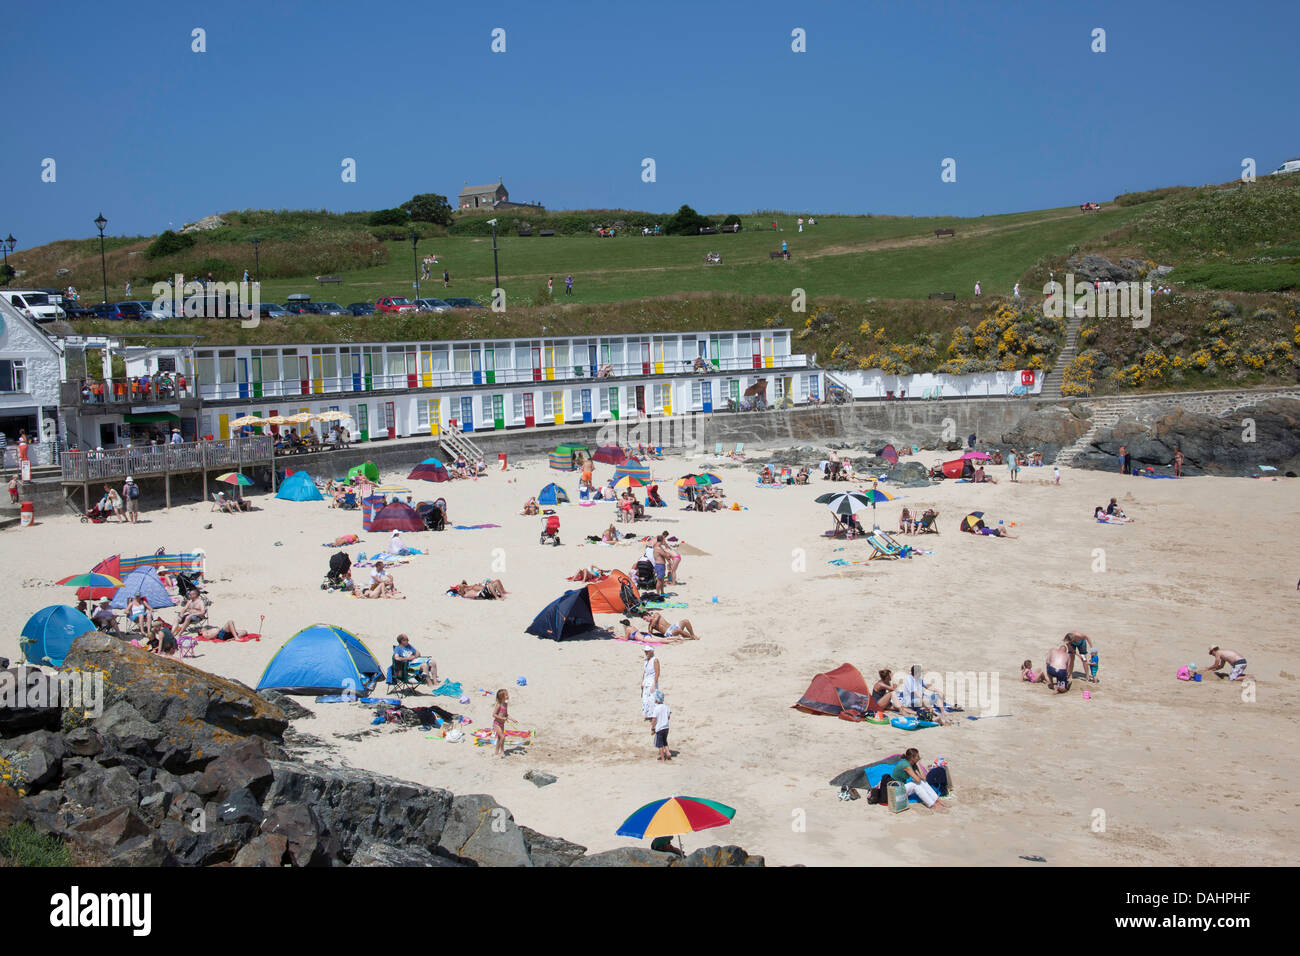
[{"x": 395, "y": 303}]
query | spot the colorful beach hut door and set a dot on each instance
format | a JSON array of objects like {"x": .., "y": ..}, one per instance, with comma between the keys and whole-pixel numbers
[
  {"x": 706, "y": 396},
  {"x": 640, "y": 396},
  {"x": 755, "y": 351},
  {"x": 713, "y": 352},
  {"x": 767, "y": 351},
  {"x": 613, "y": 402},
  {"x": 304, "y": 374},
  {"x": 537, "y": 365},
  {"x": 735, "y": 390},
  {"x": 243, "y": 377},
  {"x": 363, "y": 421},
  {"x": 529, "y": 419},
  {"x": 435, "y": 416},
  {"x": 466, "y": 413},
  {"x": 591, "y": 356},
  {"x": 586, "y": 404},
  {"x": 257, "y": 376},
  {"x": 355, "y": 359},
  {"x": 490, "y": 367},
  {"x": 645, "y": 362},
  {"x": 498, "y": 411},
  {"x": 412, "y": 369},
  {"x": 476, "y": 366},
  {"x": 390, "y": 419}
]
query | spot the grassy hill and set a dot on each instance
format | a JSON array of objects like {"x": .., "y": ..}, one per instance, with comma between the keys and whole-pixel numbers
[{"x": 866, "y": 279}]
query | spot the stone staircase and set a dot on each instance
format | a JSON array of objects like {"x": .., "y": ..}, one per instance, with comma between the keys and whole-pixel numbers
[
  {"x": 1104, "y": 415},
  {"x": 1052, "y": 379}
]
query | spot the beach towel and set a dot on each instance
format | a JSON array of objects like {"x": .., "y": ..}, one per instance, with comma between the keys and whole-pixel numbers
[
  {"x": 448, "y": 688},
  {"x": 346, "y": 699},
  {"x": 661, "y": 605},
  {"x": 647, "y": 641},
  {"x": 483, "y": 737},
  {"x": 241, "y": 640},
  {"x": 474, "y": 527}
]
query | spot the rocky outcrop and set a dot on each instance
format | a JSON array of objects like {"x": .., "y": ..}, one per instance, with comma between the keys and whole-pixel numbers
[
  {"x": 186, "y": 769},
  {"x": 1047, "y": 430}
]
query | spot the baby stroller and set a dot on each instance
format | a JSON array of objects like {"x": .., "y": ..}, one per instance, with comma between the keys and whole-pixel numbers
[
  {"x": 96, "y": 515},
  {"x": 434, "y": 519},
  {"x": 645, "y": 575},
  {"x": 340, "y": 566},
  {"x": 187, "y": 583},
  {"x": 551, "y": 532}
]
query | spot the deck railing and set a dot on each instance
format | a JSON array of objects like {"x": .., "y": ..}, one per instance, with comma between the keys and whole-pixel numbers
[{"x": 154, "y": 460}]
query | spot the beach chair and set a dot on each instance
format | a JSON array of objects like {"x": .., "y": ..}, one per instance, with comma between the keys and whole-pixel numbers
[
  {"x": 717, "y": 449},
  {"x": 401, "y": 679},
  {"x": 929, "y": 524},
  {"x": 740, "y": 450},
  {"x": 882, "y": 547}
]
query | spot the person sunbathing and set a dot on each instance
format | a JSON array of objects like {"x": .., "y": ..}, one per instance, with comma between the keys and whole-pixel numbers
[
  {"x": 227, "y": 632},
  {"x": 194, "y": 611},
  {"x": 610, "y": 536},
  {"x": 765, "y": 476},
  {"x": 883, "y": 690},
  {"x": 490, "y": 589},
  {"x": 713, "y": 506},
  {"x": 630, "y": 633},
  {"x": 225, "y": 504},
  {"x": 658, "y": 624}
]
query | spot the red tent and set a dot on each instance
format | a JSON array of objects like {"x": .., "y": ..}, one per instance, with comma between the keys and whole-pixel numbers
[
  {"x": 610, "y": 455},
  {"x": 397, "y": 517},
  {"x": 954, "y": 469},
  {"x": 111, "y": 566},
  {"x": 606, "y": 597},
  {"x": 839, "y": 693}
]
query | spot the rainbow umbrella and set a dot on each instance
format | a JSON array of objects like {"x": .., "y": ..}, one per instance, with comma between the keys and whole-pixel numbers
[
  {"x": 874, "y": 495},
  {"x": 676, "y": 815},
  {"x": 91, "y": 579},
  {"x": 629, "y": 481},
  {"x": 235, "y": 478},
  {"x": 707, "y": 478}
]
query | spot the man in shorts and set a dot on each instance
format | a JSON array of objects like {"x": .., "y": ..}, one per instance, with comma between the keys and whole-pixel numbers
[
  {"x": 1078, "y": 644},
  {"x": 1226, "y": 658},
  {"x": 227, "y": 632},
  {"x": 661, "y": 726},
  {"x": 1058, "y": 669},
  {"x": 661, "y": 558},
  {"x": 131, "y": 500}
]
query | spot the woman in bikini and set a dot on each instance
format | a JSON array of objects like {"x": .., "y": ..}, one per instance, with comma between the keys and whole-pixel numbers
[{"x": 883, "y": 690}]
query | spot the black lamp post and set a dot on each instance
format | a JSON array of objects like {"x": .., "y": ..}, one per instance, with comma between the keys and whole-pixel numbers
[
  {"x": 8, "y": 244},
  {"x": 415, "y": 266},
  {"x": 496, "y": 272},
  {"x": 101, "y": 222},
  {"x": 257, "y": 272}
]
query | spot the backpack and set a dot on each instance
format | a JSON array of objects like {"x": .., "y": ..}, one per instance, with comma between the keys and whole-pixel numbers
[
  {"x": 133, "y": 491},
  {"x": 880, "y": 792}
]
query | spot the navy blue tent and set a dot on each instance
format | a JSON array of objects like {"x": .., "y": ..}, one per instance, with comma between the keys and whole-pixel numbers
[
  {"x": 568, "y": 614},
  {"x": 49, "y": 633},
  {"x": 322, "y": 659},
  {"x": 299, "y": 487}
]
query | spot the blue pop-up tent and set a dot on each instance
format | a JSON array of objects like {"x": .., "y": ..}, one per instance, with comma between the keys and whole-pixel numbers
[
  {"x": 322, "y": 659},
  {"x": 49, "y": 633},
  {"x": 553, "y": 494},
  {"x": 299, "y": 487},
  {"x": 568, "y": 614},
  {"x": 145, "y": 582}
]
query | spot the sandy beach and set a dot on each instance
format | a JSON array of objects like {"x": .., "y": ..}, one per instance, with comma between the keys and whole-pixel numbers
[{"x": 1184, "y": 773}]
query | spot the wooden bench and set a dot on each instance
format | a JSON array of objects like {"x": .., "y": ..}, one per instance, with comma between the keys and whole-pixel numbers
[
  {"x": 949, "y": 296},
  {"x": 734, "y": 227},
  {"x": 546, "y": 232},
  {"x": 708, "y": 230},
  {"x": 326, "y": 279},
  {"x": 778, "y": 255},
  {"x": 945, "y": 232},
  {"x": 524, "y": 231}
]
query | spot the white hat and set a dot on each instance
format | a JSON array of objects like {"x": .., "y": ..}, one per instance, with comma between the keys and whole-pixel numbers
[{"x": 130, "y": 480}]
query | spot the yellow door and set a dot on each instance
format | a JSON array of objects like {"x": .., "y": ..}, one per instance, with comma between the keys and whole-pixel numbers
[
  {"x": 659, "y": 358},
  {"x": 426, "y": 370},
  {"x": 767, "y": 353},
  {"x": 317, "y": 378},
  {"x": 223, "y": 427},
  {"x": 557, "y": 402},
  {"x": 789, "y": 388},
  {"x": 668, "y": 399},
  {"x": 550, "y": 362}
]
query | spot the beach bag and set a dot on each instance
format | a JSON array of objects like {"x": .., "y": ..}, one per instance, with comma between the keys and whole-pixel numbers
[
  {"x": 937, "y": 777},
  {"x": 879, "y": 793},
  {"x": 896, "y": 795},
  {"x": 925, "y": 713}
]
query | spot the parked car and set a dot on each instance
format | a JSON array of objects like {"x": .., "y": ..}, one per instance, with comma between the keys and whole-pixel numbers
[
  {"x": 1290, "y": 166},
  {"x": 135, "y": 309},
  {"x": 107, "y": 310},
  {"x": 395, "y": 303},
  {"x": 432, "y": 305},
  {"x": 302, "y": 308},
  {"x": 463, "y": 304},
  {"x": 269, "y": 310},
  {"x": 330, "y": 308},
  {"x": 35, "y": 305},
  {"x": 361, "y": 308}
]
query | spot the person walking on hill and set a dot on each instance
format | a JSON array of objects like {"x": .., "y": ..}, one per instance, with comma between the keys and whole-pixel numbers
[
  {"x": 446, "y": 279},
  {"x": 568, "y": 285}
]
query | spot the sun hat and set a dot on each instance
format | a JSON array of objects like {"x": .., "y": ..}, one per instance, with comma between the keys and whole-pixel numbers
[{"x": 659, "y": 697}]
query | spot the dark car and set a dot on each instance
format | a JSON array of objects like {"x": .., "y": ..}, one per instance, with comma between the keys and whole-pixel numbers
[
  {"x": 463, "y": 304},
  {"x": 361, "y": 308},
  {"x": 107, "y": 310},
  {"x": 302, "y": 308},
  {"x": 140, "y": 310},
  {"x": 330, "y": 308}
]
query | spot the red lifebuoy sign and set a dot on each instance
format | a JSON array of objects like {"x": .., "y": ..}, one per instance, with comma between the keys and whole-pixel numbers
[{"x": 1027, "y": 377}]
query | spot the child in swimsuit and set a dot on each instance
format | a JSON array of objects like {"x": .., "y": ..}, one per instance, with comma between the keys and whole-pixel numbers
[
  {"x": 1028, "y": 674},
  {"x": 499, "y": 717}
]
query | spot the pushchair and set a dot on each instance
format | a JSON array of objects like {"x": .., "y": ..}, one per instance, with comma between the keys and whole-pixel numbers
[
  {"x": 434, "y": 519},
  {"x": 551, "y": 533},
  {"x": 645, "y": 575},
  {"x": 336, "y": 578},
  {"x": 96, "y": 515}
]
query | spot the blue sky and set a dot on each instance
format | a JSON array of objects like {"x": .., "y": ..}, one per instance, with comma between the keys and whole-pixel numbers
[{"x": 151, "y": 133}]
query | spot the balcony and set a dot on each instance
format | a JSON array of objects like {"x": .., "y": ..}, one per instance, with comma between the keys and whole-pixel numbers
[
  {"x": 121, "y": 392},
  {"x": 153, "y": 460},
  {"x": 362, "y": 383}
]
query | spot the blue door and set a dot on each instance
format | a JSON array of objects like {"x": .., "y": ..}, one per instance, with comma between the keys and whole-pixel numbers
[
  {"x": 814, "y": 390},
  {"x": 706, "y": 395},
  {"x": 243, "y": 378},
  {"x": 355, "y": 358},
  {"x": 591, "y": 357},
  {"x": 466, "y": 414},
  {"x": 586, "y": 404}
]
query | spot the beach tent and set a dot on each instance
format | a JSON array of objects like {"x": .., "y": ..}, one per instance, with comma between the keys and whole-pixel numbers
[
  {"x": 634, "y": 468},
  {"x": 367, "y": 469},
  {"x": 606, "y": 595},
  {"x": 322, "y": 659},
  {"x": 568, "y": 614},
  {"x": 553, "y": 494},
  {"x": 397, "y": 516},
  {"x": 111, "y": 566},
  {"x": 890, "y": 454},
  {"x": 299, "y": 487},
  {"x": 839, "y": 693},
  {"x": 564, "y": 457},
  {"x": 49, "y": 633},
  {"x": 610, "y": 455},
  {"x": 956, "y": 468},
  {"x": 145, "y": 582},
  {"x": 431, "y": 469}
]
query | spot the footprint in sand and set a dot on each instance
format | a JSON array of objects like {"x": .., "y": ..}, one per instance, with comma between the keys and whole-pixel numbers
[{"x": 759, "y": 649}]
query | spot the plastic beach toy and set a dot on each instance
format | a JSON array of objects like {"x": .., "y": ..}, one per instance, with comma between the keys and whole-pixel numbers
[{"x": 522, "y": 681}]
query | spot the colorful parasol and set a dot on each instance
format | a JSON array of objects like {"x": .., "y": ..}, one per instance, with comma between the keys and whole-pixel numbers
[
  {"x": 973, "y": 521},
  {"x": 235, "y": 478},
  {"x": 629, "y": 481},
  {"x": 91, "y": 579},
  {"x": 676, "y": 815}
]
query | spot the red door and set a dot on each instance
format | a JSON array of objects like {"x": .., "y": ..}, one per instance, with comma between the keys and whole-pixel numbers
[
  {"x": 528, "y": 409},
  {"x": 275, "y": 429},
  {"x": 645, "y": 363},
  {"x": 390, "y": 419},
  {"x": 537, "y": 368},
  {"x": 412, "y": 377},
  {"x": 757, "y": 351}
]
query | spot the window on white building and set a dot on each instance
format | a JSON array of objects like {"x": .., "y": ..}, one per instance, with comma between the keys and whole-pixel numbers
[{"x": 13, "y": 375}]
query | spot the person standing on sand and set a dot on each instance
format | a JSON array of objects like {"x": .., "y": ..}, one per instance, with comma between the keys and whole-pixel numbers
[
  {"x": 1226, "y": 658},
  {"x": 1078, "y": 644},
  {"x": 661, "y": 715},
  {"x": 649, "y": 685},
  {"x": 1013, "y": 464},
  {"x": 1178, "y": 463},
  {"x": 500, "y": 716},
  {"x": 1124, "y": 465}
]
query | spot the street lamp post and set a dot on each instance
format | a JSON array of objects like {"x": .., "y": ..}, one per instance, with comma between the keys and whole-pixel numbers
[
  {"x": 415, "y": 266},
  {"x": 101, "y": 222},
  {"x": 257, "y": 272},
  {"x": 9, "y": 243},
  {"x": 496, "y": 271}
]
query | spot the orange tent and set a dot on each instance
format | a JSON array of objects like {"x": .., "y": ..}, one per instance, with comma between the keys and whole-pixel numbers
[
  {"x": 839, "y": 693},
  {"x": 606, "y": 594}
]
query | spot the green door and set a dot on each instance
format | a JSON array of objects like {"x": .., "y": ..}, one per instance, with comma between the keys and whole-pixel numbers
[
  {"x": 363, "y": 419},
  {"x": 713, "y": 352},
  {"x": 368, "y": 368},
  {"x": 257, "y": 376},
  {"x": 613, "y": 402},
  {"x": 490, "y": 367},
  {"x": 498, "y": 409},
  {"x": 735, "y": 390}
]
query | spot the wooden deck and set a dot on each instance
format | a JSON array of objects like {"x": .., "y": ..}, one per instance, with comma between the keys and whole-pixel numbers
[{"x": 163, "y": 461}]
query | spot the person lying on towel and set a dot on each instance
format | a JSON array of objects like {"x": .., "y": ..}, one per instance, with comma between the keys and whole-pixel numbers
[{"x": 490, "y": 590}]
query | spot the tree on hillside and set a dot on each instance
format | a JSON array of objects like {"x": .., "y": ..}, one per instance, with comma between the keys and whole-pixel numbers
[
  {"x": 429, "y": 207},
  {"x": 169, "y": 243},
  {"x": 686, "y": 222},
  {"x": 389, "y": 217}
]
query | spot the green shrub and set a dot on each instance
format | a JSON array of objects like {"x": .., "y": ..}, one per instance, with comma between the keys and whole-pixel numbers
[
  {"x": 169, "y": 243},
  {"x": 389, "y": 217},
  {"x": 21, "y": 845},
  {"x": 686, "y": 222}
]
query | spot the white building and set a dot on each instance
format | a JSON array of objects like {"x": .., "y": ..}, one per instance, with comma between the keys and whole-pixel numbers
[{"x": 30, "y": 372}]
